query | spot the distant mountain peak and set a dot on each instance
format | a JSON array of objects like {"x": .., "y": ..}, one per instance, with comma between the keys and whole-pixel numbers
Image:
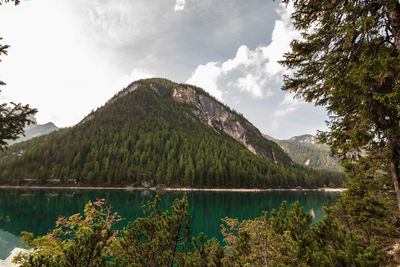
[
  {"x": 33, "y": 130},
  {"x": 305, "y": 138},
  {"x": 306, "y": 150}
]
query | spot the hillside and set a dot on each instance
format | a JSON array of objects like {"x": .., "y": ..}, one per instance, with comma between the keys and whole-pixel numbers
[
  {"x": 306, "y": 150},
  {"x": 156, "y": 132}
]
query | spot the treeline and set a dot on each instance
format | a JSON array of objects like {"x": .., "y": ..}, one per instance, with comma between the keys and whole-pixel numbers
[
  {"x": 146, "y": 138},
  {"x": 162, "y": 156},
  {"x": 161, "y": 238}
]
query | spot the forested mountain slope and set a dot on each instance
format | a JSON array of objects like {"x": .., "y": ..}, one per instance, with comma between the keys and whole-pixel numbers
[
  {"x": 306, "y": 150},
  {"x": 157, "y": 132}
]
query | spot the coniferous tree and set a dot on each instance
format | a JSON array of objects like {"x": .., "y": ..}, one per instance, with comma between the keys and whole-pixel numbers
[{"x": 348, "y": 61}]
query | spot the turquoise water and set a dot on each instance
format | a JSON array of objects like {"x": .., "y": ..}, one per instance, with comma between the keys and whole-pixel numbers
[{"x": 37, "y": 210}]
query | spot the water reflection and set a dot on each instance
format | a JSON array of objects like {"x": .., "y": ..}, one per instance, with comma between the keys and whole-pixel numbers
[{"x": 8, "y": 242}]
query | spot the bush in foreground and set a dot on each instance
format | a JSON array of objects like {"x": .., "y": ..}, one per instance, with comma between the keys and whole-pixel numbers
[{"x": 162, "y": 238}]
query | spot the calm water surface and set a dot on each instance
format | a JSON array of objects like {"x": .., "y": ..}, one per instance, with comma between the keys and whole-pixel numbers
[{"x": 37, "y": 210}]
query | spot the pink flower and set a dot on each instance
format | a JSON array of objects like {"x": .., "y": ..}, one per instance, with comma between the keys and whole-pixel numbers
[
  {"x": 99, "y": 202},
  {"x": 61, "y": 221}
]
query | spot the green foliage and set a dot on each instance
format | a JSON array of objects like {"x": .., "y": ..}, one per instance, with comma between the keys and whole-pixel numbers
[
  {"x": 163, "y": 238},
  {"x": 368, "y": 207},
  {"x": 147, "y": 137},
  {"x": 158, "y": 239},
  {"x": 275, "y": 240},
  {"x": 287, "y": 238},
  {"x": 12, "y": 121},
  {"x": 80, "y": 240},
  {"x": 348, "y": 61},
  {"x": 340, "y": 245}
]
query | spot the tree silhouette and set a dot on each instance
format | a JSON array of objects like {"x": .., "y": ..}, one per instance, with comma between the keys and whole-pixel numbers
[{"x": 14, "y": 117}]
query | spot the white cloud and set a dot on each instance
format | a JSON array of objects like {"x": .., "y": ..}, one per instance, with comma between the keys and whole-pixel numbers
[
  {"x": 287, "y": 105},
  {"x": 250, "y": 84},
  {"x": 282, "y": 35},
  {"x": 241, "y": 58},
  {"x": 252, "y": 71},
  {"x": 48, "y": 65},
  {"x": 206, "y": 76},
  {"x": 123, "y": 22},
  {"x": 293, "y": 114},
  {"x": 136, "y": 74},
  {"x": 70, "y": 56},
  {"x": 111, "y": 20},
  {"x": 179, "y": 5}
]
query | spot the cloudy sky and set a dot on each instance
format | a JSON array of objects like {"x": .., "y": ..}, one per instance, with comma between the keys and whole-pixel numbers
[{"x": 68, "y": 57}]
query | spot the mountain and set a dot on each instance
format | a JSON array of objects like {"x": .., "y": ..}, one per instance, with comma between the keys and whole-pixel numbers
[
  {"x": 305, "y": 139},
  {"x": 306, "y": 150},
  {"x": 34, "y": 130},
  {"x": 157, "y": 132}
]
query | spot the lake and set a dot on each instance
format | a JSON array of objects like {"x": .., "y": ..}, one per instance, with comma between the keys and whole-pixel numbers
[{"x": 37, "y": 210}]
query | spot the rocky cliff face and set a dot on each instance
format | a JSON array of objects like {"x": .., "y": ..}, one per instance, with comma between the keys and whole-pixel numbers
[
  {"x": 219, "y": 117},
  {"x": 305, "y": 139}
]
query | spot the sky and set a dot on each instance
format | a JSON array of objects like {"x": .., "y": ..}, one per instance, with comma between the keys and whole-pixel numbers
[{"x": 68, "y": 57}]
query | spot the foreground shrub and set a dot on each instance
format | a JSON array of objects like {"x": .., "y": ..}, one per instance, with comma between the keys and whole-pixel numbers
[
  {"x": 285, "y": 237},
  {"x": 80, "y": 240}
]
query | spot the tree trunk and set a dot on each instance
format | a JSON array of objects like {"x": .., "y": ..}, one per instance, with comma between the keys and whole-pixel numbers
[
  {"x": 176, "y": 240},
  {"x": 394, "y": 146},
  {"x": 394, "y": 170},
  {"x": 392, "y": 9}
]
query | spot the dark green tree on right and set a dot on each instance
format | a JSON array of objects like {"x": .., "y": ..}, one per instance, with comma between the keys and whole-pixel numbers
[{"x": 348, "y": 61}]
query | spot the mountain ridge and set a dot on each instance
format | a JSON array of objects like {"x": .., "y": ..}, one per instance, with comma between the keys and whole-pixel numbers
[
  {"x": 34, "y": 130},
  {"x": 208, "y": 109},
  {"x": 158, "y": 132}
]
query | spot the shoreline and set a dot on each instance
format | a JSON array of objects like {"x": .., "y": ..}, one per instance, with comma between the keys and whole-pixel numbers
[{"x": 170, "y": 189}]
